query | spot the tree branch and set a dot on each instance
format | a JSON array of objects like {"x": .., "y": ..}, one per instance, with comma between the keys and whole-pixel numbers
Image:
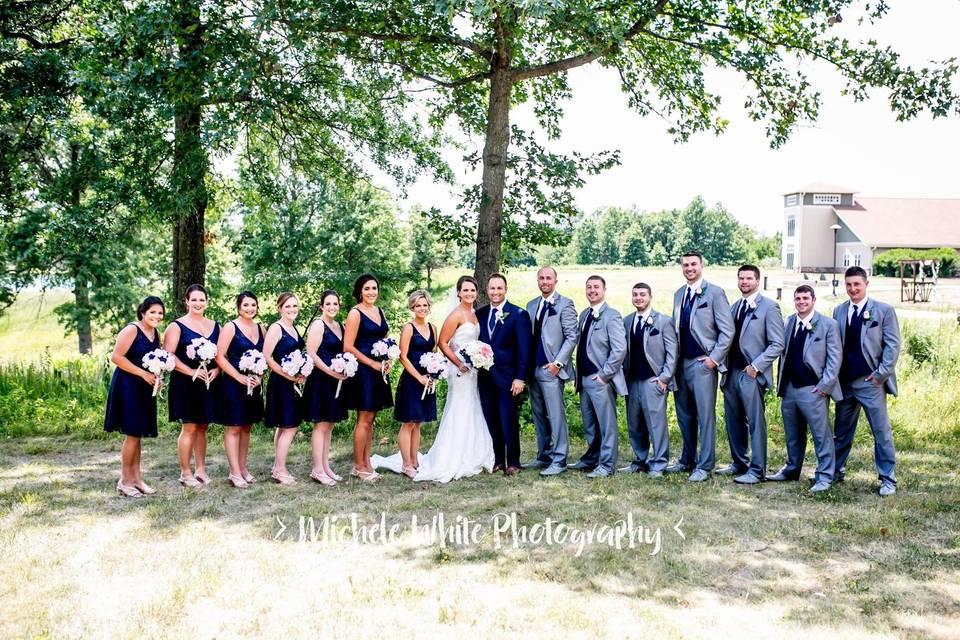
[
  {"x": 581, "y": 59},
  {"x": 33, "y": 42},
  {"x": 463, "y": 43}
]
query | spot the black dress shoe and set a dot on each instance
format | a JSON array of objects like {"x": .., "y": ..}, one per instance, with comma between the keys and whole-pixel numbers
[
  {"x": 730, "y": 470},
  {"x": 535, "y": 464},
  {"x": 677, "y": 468},
  {"x": 581, "y": 466},
  {"x": 781, "y": 477}
]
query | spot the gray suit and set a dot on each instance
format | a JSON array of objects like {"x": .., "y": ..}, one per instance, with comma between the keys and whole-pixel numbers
[
  {"x": 880, "y": 346},
  {"x": 711, "y": 327},
  {"x": 558, "y": 339},
  {"x": 760, "y": 342},
  {"x": 646, "y": 404},
  {"x": 606, "y": 347},
  {"x": 802, "y": 406}
]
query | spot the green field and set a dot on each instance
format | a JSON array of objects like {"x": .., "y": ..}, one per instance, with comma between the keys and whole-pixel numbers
[{"x": 773, "y": 560}]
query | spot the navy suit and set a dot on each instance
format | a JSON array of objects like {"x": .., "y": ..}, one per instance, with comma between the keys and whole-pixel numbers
[{"x": 511, "y": 342}]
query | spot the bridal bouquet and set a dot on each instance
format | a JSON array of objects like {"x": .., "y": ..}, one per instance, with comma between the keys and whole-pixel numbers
[
  {"x": 345, "y": 363},
  {"x": 203, "y": 350},
  {"x": 158, "y": 362},
  {"x": 252, "y": 362},
  {"x": 436, "y": 366},
  {"x": 297, "y": 363},
  {"x": 476, "y": 354},
  {"x": 384, "y": 350}
]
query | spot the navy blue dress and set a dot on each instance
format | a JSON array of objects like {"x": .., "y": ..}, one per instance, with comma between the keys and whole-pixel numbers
[
  {"x": 320, "y": 405},
  {"x": 190, "y": 400},
  {"x": 368, "y": 390},
  {"x": 131, "y": 405},
  {"x": 284, "y": 406},
  {"x": 409, "y": 406},
  {"x": 236, "y": 408}
]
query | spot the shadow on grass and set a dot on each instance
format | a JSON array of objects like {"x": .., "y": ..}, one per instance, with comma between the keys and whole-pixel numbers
[{"x": 844, "y": 558}]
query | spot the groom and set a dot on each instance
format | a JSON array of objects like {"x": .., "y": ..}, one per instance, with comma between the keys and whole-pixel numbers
[{"x": 507, "y": 329}]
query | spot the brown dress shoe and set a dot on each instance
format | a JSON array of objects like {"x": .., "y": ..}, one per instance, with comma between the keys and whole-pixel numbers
[
  {"x": 512, "y": 471},
  {"x": 496, "y": 468}
]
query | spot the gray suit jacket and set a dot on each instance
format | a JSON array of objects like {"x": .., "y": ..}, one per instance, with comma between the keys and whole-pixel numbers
[
  {"x": 559, "y": 334},
  {"x": 879, "y": 339},
  {"x": 710, "y": 321},
  {"x": 607, "y": 346},
  {"x": 659, "y": 345},
  {"x": 761, "y": 337},
  {"x": 821, "y": 353}
]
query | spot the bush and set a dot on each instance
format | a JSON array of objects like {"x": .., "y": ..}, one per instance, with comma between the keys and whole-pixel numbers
[
  {"x": 921, "y": 347},
  {"x": 54, "y": 397},
  {"x": 885, "y": 264}
]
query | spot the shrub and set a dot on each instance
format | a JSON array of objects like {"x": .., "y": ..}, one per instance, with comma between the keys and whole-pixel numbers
[{"x": 886, "y": 264}]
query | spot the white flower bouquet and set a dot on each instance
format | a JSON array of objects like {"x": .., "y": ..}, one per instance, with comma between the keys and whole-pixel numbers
[
  {"x": 253, "y": 363},
  {"x": 477, "y": 355},
  {"x": 204, "y": 351},
  {"x": 436, "y": 365},
  {"x": 345, "y": 363},
  {"x": 297, "y": 363},
  {"x": 158, "y": 362},
  {"x": 385, "y": 350}
]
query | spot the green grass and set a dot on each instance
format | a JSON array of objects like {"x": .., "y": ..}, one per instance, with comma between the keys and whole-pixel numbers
[{"x": 80, "y": 562}]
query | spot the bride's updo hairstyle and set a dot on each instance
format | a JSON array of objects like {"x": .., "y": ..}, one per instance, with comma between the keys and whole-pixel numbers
[{"x": 470, "y": 279}]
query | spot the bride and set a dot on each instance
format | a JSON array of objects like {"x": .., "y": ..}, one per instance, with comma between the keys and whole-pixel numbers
[{"x": 463, "y": 446}]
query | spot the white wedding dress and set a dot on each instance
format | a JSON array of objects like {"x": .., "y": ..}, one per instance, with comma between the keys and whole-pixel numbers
[{"x": 463, "y": 446}]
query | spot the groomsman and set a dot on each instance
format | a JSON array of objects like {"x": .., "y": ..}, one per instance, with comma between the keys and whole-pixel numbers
[
  {"x": 649, "y": 368},
  {"x": 808, "y": 379},
  {"x": 757, "y": 342},
  {"x": 554, "y": 339},
  {"x": 600, "y": 354},
  {"x": 506, "y": 328},
  {"x": 871, "y": 345},
  {"x": 704, "y": 330}
]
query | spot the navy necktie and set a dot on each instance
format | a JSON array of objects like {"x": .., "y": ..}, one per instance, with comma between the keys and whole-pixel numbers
[{"x": 492, "y": 322}]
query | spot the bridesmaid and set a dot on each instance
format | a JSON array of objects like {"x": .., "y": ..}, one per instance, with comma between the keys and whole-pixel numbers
[
  {"x": 412, "y": 407},
  {"x": 324, "y": 341},
  {"x": 131, "y": 405},
  {"x": 190, "y": 401},
  {"x": 238, "y": 409},
  {"x": 366, "y": 324},
  {"x": 284, "y": 407}
]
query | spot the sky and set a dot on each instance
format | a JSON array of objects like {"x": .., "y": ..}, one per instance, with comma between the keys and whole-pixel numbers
[{"x": 857, "y": 145}]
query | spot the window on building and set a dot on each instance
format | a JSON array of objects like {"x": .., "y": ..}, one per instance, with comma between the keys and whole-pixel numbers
[
  {"x": 791, "y": 226},
  {"x": 790, "y": 260},
  {"x": 856, "y": 259},
  {"x": 846, "y": 258},
  {"x": 826, "y": 198},
  {"x": 792, "y": 200}
]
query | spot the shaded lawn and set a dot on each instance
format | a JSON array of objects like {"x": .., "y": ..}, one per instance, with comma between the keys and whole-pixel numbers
[{"x": 81, "y": 562}]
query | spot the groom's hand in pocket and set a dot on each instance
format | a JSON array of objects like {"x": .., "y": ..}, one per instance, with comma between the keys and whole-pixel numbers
[
  {"x": 598, "y": 379},
  {"x": 517, "y": 387}
]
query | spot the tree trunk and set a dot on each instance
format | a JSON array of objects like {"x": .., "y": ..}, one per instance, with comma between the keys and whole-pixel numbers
[
  {"x": 429, "y": 272},
  {"x": 490, "y": 219},
  {"x": 81, "y": 294},
  {"x": 81, "y": 289},
  {"x": 190, "y": 162}
]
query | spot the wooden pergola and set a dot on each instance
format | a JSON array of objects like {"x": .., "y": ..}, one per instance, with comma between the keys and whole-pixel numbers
[{"x": 912, "y": 289}]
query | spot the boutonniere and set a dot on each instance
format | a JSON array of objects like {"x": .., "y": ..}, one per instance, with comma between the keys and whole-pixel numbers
[
  {"x": 752, "y": 306},
  {"x": 866, "y": 314},
  {"x": 810, "y": 326},
  {"x": 596, "y": 314},
  {"x": 503, "y": 316},
  {"x": 648, "y": 322},
  {"x": 699, "y": 290}
]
